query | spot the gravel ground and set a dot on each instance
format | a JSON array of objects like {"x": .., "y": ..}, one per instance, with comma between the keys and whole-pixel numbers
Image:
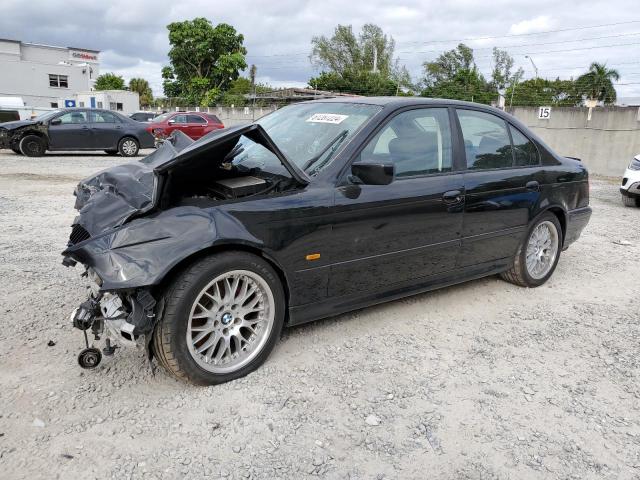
[{"x": 482, "y": 381}]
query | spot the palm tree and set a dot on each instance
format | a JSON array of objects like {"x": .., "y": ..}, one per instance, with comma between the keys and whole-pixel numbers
[
  {"x": 141, "y": 86},
  {"x": 597, "y": 83}
]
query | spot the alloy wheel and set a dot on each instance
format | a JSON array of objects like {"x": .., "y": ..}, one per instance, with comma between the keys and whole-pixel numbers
[
  {"x": 542, "y": 249},
  {"x": 230, "y": 321}
]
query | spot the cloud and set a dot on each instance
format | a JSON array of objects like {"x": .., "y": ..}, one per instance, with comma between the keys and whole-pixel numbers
[
  {"x": 538, "y": 24},
  {"x": 133, "y": 37}
]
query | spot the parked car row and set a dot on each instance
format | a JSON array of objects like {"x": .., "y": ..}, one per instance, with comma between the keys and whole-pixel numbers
[{"x": 90, "y": 129}]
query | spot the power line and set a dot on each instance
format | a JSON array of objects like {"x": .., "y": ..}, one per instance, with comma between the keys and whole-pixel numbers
[{"x": 479, "y": 38}]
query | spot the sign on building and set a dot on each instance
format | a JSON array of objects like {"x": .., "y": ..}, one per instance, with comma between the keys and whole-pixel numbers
[{"x": 544, "y": 113}]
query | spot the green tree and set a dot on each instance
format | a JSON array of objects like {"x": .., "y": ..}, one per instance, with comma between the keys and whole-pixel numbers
[
  {"x": 204, "y": 60},
  {"x": 345, "y": 52},
  {"x": 454, "y": 75},
  {"x": 541, "y": 91},
  {"x": 359, "y": 83},
  {"x": 502, "y": 75},
  {"x": 141, "y": 86},
  {"x": 597, "y": 83},
  {"x": 109, "y": 81}
]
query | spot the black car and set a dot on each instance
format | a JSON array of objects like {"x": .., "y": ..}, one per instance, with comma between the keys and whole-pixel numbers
[
  {"x": 143, "y": 116},
  {"x": 76, "y": 129},
  {"x": 208, "y": 248}
]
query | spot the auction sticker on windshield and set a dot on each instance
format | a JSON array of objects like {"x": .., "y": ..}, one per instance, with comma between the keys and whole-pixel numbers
[{"x": 333, "y": 118}]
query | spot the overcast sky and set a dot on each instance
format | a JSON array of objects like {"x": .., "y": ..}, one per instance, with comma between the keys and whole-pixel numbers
[{"x": 132, "y": 35}]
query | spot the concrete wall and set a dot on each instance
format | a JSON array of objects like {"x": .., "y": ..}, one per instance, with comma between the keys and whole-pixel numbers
[{"x": 606, "y": 143}]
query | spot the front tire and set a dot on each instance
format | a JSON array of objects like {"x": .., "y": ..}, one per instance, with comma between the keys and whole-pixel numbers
[
  {"x": 128, "y": 147},
  {"x": 538, "y": 254},
  {"x": 222, "y": 317},
  {"x": 32, "y": 146},
  {"x": 630, "y": 201}
]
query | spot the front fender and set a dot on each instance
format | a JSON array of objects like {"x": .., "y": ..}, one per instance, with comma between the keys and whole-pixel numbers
[{"x": 142, "y": 252}]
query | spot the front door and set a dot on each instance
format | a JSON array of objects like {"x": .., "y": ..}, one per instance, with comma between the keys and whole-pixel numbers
[
  {"x": 70, "y": 131},
  {"x": 502, "y": 187},
  {"x": 407, "y": 230}
]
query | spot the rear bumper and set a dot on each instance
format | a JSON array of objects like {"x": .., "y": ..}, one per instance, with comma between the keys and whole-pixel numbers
[{"x": 576, "y": 221}]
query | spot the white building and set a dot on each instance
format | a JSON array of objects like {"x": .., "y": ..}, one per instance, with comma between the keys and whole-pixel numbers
[
  {"x": 122, "y": 101},
  {"x": 44, "y": 75}
]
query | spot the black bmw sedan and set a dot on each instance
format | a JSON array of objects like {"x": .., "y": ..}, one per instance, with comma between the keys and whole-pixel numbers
[
  {"x": 76, "y": 129},
  {"x": 207, "y": 249}
]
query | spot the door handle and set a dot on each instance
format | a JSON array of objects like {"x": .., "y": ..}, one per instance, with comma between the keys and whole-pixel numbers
[
  {"x": 532, "y": 186},
  {"x": 452, "y": 196}
]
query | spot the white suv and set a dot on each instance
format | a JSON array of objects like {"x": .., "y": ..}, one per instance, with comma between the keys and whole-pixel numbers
[{"x": 630, "y": 188}]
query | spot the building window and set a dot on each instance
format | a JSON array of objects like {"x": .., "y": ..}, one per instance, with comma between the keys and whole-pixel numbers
[
  {"x": 82, "y": 104},
  {"x": 54, "y": 104},
  {"x": 112, "y": 105},
  {"x": 58, "y": 81},
  {"x": 99, "y": 104},
  {"x": 119, "y": 106}
]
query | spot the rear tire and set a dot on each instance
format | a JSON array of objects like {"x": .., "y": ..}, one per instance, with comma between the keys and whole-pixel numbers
[
  {"x": 205, "y": 310},
  {"x": 128, "y": 147},
  {"x": 32, "y": 146},
  {"x": 543, "y": 254},
  {"x": 630, "y": 201}
]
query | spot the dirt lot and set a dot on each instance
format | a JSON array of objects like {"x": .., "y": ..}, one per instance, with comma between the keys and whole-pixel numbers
[{"x": 482, "y": 381}]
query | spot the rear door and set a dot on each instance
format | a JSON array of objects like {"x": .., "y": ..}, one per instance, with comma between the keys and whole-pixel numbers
[
  {"x": 502, "y": 184},
  {"x": 408, "y": 230},
  {"x": 73, "y": 131},
  {"x": 107, "y": 129},
  {"x": 197, "y": 125}
]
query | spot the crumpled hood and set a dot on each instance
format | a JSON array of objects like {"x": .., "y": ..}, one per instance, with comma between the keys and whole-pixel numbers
[
  {"x": 17, "y": 124},
  {"x": 108, "y": 199}
]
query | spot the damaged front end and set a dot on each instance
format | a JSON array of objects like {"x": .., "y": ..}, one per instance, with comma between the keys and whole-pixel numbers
[
  {"x": 137, "y": 221},
  {"x": 121, "y": 318}
]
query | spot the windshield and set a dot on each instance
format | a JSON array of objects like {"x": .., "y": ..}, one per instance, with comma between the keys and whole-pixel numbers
[
  {"x": 46, "y": 115},
  {"x": 310, "y": 134},
  {"x": 161, "y": 118}
]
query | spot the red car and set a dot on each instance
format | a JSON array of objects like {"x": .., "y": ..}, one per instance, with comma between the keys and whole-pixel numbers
[{"x": 193, "y": 124}]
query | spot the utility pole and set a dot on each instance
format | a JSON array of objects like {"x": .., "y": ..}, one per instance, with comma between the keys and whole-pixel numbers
[
  {"x": 375, "y": 59},
  {"x": 252, "y": 75},
  {"x": 534, "y": 65}
]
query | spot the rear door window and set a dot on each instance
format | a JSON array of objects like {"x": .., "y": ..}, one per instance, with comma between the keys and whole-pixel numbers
[
  {"x": 486, "y": 140},
  {"x": 524, "y": 151},
  {"x": 195, "y": 119}
]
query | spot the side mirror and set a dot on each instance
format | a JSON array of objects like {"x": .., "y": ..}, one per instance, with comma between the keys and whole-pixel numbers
[
  {"x": 55, "y": 121},
  {"x": 374, "y": 173},
  {"x": 171, "y": 122}
]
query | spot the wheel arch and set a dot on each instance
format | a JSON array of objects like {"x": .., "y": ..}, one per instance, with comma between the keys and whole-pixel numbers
[
  {"x": 560, "y": 214},
  {"x": 31, "y": 131},
  {"x": 189, "y": 260}
]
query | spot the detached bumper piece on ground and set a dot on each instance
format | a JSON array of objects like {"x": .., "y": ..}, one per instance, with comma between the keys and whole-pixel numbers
[{"x": 203, "y": 250}]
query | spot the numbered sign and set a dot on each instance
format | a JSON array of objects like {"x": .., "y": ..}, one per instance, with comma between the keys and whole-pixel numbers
[{"x": 544, "y": 113}]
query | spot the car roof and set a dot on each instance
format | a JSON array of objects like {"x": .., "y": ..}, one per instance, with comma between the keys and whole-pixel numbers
[{"x": 397, "y": 102}]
